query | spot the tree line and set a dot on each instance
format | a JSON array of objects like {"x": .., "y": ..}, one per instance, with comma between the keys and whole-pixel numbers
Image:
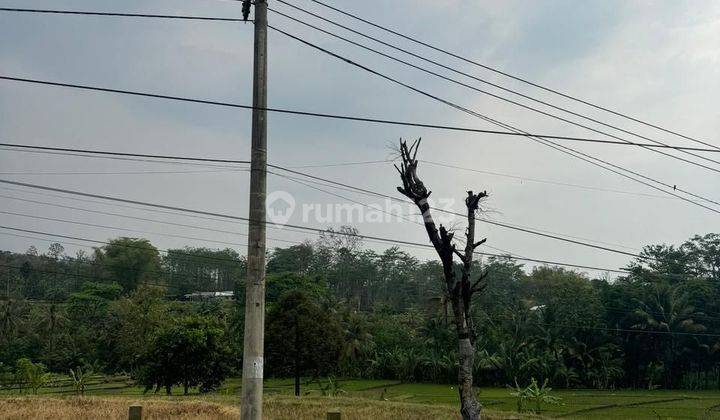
[{"x": 336, "y": 308}]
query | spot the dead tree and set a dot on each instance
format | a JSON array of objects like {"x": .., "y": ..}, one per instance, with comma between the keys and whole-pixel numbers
[{"x": 460, "y": 290}]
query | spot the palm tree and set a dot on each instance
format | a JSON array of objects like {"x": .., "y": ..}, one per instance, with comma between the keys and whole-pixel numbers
[
  {"x": 358, "y": 342},
  {"x": 668, "y": 310},
  {"x": 11, "y": 316},
  {"x": 48, "y": 322}
]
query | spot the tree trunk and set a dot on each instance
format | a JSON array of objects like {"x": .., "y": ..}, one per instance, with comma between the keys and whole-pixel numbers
[
  {"x": 459, "y": 291},
  {"x": 469, "y": 406}
]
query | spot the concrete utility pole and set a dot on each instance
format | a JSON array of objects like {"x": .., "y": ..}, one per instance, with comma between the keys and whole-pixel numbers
[{"x": 252, "y": 376}]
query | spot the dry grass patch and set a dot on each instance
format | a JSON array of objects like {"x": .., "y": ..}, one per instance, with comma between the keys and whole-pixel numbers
[
  {"x": 276, "y": 407},
  {"x": 110, "y": 408}
]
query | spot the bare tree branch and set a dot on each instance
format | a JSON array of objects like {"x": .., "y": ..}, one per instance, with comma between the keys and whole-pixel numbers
[
  {"x": 458, "y": 292},
  {"x": 478, "y": 243},
  {"x": 479, "y": 282}
]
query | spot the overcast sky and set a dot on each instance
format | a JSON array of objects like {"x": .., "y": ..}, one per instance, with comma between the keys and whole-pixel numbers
[{"x": 657, "y": 61}]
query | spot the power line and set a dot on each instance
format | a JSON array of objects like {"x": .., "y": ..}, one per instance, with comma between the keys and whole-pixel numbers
[
  {"x": 74, "y": 222},
  {"x": 340, "y": 117},
  {"x": 404, "y": 243},
  {"x": 93, "y": 277},
  {"x": 208, "y": 18},
  {"x": 225, "y": 231},
  {"x": 582, "y": 327},
  {"x": 330, "y": 165},
  {"x": 455, "y": 81},
  {"x": 201, "y": 217},
  {"x": 307, "y": 228},
  {"x": 8, "y": 146},
  {"x": 400, "y": 215},
  {"x": 163, "y": 222},
  {"x": 86, "y": 276},
  {"x": 129, "y": 159},
  {"x": 135, "y": 15},
  {"x": 58, "y": 173},
  {"x": 507, "y": 126},
  {"x": 552, "y": 235},
  {"x": 543, "y": 181},
  {"x": 112, "y": 204},
  {"x": 620, "y": 310},
  {"x": 497, "y": 71},
  {"x": 202, "y": 212},
  {"x": 515, "y": 131},
  {"x": 123, "y": 154},
  {"x": 525, "y": 229},
  {"x": 167, "y": 251},
  {"x": 625, "y": 330},
  {"x": 507, "y": 318}
]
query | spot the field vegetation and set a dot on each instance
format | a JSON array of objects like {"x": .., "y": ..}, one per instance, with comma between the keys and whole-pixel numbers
[
  {"x": 108, "y": 324},
  {"x": 356, "y": 399}
]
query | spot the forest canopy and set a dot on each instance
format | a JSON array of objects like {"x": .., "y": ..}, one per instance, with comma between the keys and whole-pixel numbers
[{"x": 373, "y": 315}]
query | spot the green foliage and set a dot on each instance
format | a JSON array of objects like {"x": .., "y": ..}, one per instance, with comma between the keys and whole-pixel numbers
[
  {"x": 192, "y": 269},
  {"x": 371, "y": 314},
  {"x": 91, "y": 303},
  {"x": 79, "y": 380},
  {"x": 296, "y": 259},
  {"x": 30, "y": 375},
  {"x": 301, "y": 337},
  {"x": 278, "y": 285},
  {"x": 190, "y": 353},
  {"x": 132, "y": 323},
  {"x": 130, "y": 261},
  {"x": 535, "y": 394},
  {"x": 331, "y": 387}
]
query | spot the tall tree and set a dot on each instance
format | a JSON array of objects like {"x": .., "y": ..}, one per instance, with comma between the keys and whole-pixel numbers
[
  {"x": 460, "y": 291},
  {"x": 302, "y": 338},
  {"x": 668, "y": 310},
  {"x": 188, "y": 353},
  {"x": 202, "y": 269},
  {"x": 130, "y": 261}
]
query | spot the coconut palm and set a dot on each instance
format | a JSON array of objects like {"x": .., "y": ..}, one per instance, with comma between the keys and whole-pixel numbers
[
  {"x": 668, "y": 310},
  {"x": 358, "y": 343}
]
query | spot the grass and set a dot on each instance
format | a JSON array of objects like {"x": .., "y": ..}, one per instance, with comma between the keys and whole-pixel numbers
[
  {"x": 359, "y": 399},
  {"x": 195, "y": 407}
]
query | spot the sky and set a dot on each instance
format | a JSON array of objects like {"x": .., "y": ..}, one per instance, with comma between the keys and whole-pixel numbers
[{"x": 657, "y": 61}]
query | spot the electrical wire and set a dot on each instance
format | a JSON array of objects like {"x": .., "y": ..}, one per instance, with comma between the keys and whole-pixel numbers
[
  {"x": 506, "y": 74},
  {"x": 135, "y": 15},
  {"x": 207, "y": 18},
  {"x": 307, "y": 228},
  {"x": 536, "y": 110},
  {"x": 336, "y": 184},
  {"x": 86, "y": 276},
  {"x": 515, "y": 131},
  {"x": 337, "y": 116},
  {"x": 144, "y": 248},
  {"x": 8, "y": 146},
  {"x": 546, "y": 142}
]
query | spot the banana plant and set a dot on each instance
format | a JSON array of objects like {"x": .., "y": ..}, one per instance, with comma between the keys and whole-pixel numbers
[
  {"x": 537, "y": 394},
  {"x": 79, "y": 380}
]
